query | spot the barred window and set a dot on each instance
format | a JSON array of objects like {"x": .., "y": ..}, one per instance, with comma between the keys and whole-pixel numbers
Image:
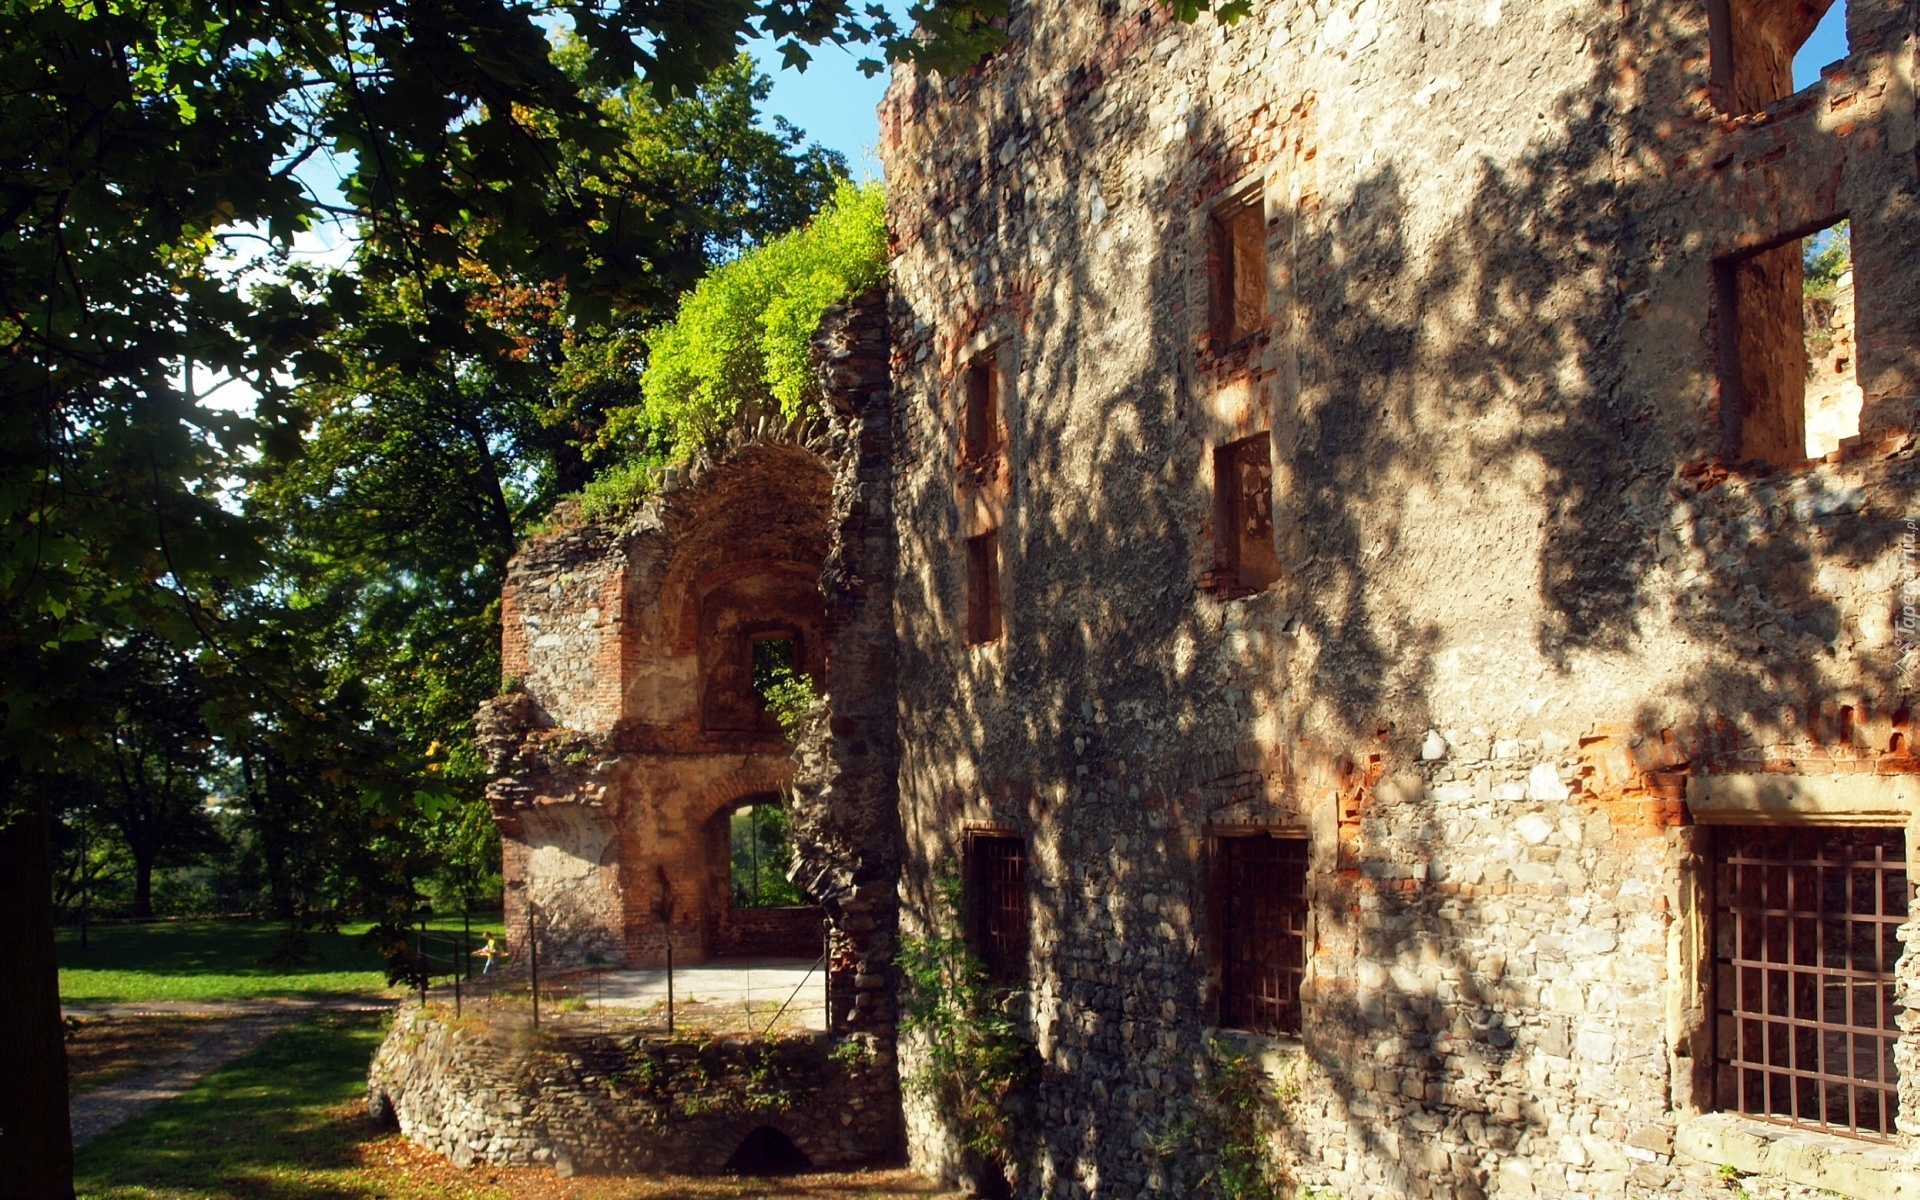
[
  {"x": 1804, "y": 948},
  {"x": 1260, "y": 898},
  {"x": 999, "y": 869}
]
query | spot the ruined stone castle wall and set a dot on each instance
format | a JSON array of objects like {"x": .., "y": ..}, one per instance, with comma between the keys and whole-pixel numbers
[
  {"x": 1539, "y": 615},
  {"x": 845, "y": 795},
  {"x": 630, "y": 730}
]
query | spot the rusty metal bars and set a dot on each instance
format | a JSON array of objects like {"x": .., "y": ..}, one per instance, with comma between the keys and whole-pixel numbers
[
  {"x": 1000, "y": 897},
  {"x": 1264, "y": 925},
  {"x": 1803, "y": 980}
]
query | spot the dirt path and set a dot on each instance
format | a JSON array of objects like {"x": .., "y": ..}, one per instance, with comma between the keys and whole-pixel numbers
[{"x": 237, "y": 1027}]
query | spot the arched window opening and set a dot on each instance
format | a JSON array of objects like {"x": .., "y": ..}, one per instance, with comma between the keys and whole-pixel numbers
[
  {"x": 767, "y": 1151},
  {"x": 761, "y": 849}
]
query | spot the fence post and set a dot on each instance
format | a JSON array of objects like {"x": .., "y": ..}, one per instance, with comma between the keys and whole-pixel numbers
[
  {"x": 826, "y": 975},
  {"x": 669, "y": 982},
  {"x": 533, "y": 957},
  {"x": 420, "y": 956}
]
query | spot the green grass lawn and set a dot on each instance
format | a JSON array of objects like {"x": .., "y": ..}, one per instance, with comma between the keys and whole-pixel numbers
[
  {"x": 213, "y": 960},
  {"x": 279, "y": 1122}
]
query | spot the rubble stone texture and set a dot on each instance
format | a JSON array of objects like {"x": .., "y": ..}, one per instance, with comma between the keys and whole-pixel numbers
[
  {"x": 591, "y": 1101},
  {"x": 1552, "y": 591},
  {"x": 1529, "y": 594}
]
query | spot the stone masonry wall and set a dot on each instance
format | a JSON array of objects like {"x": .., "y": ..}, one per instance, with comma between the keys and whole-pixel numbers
[
  {"x": 845, "y": 798},
  {"x": 1534, "y": 609},
  {"x": 596, "y": 1101},
  {"x": 629, "y": 730}
]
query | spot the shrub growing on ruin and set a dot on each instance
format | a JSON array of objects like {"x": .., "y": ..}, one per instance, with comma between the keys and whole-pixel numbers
[
  {"x": 789, "y": 696},
  {"x": 1226, "y": 1139},
  {"x": 974, "y": 1061},
  {"x": 738, "y": 348}
]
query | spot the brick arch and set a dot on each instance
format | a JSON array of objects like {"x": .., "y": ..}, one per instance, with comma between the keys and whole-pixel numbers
[
  {"x": 757, "y": 774},
  {"x": 734, "y": 931},
  {"x": 764, "y": 511},
  {"x": 685, "y": 616}
]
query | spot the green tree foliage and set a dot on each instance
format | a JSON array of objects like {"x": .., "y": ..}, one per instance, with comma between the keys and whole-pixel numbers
[
  {"x": 153, "y": 757},
  {"x": 737, "y": 348},
  {"x": 1825, "y": 257}
]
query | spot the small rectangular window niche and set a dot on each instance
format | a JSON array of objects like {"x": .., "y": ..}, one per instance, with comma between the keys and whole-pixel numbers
[
  {"x": 1243, "y": 514},
  {"x": 980, "y": 423},
  {"x": 1238, "y": 267},
  {"x": 1788, "y": 384},
  {"x": 983, "y": 588}
]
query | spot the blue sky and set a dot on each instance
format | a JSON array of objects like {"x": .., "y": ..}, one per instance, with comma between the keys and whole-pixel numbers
[
  {"x": 831, "y": 100},
  {"x": 1828, "y": 44}
]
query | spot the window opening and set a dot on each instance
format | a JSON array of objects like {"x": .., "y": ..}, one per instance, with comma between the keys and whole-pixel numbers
[
  {"x": 1243, "y": 490},
  {"x": 1239, "y": 267},
  {"x": 1833, "y": 396},
  {"x": 1804, "y": 946},
  {"x": 983, "y": 588},
  {"x": 1000, "y": 906},
  {"x": 774, "y": 661},
  {"x": 760, "y": 845},
  {"x": 980, "y": 428},
  {"x": 1755, "y": 47},
  {"x": 767, "y": 1151},
  {"x": 1789, "y": 389},
  {"x": 1261, "y": 891}
]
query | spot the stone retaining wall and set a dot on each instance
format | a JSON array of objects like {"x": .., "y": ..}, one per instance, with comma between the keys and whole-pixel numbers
[{"x": 594, "y": 1100}]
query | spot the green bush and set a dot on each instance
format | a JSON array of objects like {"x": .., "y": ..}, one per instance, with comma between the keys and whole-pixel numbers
[
  {"x": 975, "y": 1059},
  {"x": 1826, "y": 256},
  {"x": 619, "y": 489},
  {"x": 789, "y": 696},
  {"x": 738, "y": 346}
]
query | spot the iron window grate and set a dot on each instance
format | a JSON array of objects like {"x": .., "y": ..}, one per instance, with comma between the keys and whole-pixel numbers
[
  {"x": 1000, "y": 899},
  {"x": 1264, "y": 930},
  {"x": 1804, "y": 938}
]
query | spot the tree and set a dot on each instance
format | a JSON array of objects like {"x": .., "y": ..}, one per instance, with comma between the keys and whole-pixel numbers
[
  {"x": 460, "y": 412},
  {"x": 152, "y": 759},
  {"x": 142, "y": 140}
]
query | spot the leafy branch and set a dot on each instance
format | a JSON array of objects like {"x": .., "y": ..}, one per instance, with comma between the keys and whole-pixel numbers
[{"x": 975, "y": 1061}]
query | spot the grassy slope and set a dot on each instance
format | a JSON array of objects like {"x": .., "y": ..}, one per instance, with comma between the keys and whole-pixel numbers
[
  {"x": 287, "y": 1122},
  {"x": 210, "y": 960}
]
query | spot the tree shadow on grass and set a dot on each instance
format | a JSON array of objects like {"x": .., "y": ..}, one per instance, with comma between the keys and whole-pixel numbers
[{"x": 267, "y": 1125}]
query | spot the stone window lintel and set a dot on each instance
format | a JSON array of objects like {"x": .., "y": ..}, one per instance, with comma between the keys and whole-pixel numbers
[{"x": 1812, "y": 799}]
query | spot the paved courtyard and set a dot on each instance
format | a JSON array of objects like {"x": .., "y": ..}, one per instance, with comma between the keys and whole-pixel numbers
[{"x": 720, "y": 989}]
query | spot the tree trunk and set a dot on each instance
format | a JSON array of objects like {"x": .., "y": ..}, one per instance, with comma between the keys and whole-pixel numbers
[
  {"x": 36, "y": 1142},
  {"x": 143, "y": 887}
]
